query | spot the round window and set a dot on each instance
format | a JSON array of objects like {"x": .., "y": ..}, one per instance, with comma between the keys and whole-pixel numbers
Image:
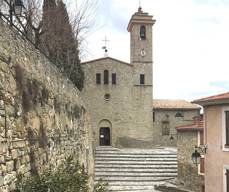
[{"x": 107, "y": 96}]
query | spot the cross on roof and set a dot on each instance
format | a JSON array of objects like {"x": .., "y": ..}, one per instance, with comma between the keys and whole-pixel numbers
[
  {"x": 106, "y": 41},
  {"x": 105, "y": 46}
]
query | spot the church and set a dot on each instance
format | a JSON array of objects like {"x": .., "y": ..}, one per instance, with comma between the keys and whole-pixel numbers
[{"x": 119, "y": 94}]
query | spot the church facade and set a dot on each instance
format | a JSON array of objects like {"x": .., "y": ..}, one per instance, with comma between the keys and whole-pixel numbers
[{"x": 119, "y": 94}]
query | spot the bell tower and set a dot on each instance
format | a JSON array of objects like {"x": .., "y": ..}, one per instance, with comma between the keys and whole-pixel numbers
[
  {"x": 141, "y": 54},
  {"x": 140, "y": 28},
  {"x": 141, "y": 58}
]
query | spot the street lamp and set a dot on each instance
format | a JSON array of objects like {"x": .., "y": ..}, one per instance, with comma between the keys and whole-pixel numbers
[
  {"x": 171, "y": 138},
  {"x": 16, "y": 8},
  {"x": 196, "y": 156}
]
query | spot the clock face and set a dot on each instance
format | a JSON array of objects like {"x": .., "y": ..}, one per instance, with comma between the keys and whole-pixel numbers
[{"x": 143, "y": 52}]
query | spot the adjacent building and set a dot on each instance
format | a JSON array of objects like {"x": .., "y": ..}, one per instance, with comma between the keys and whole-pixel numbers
[
  {"x": 216, "y": 129},
  {"x": 190, "y": 176},
  {"x": 167, "y": 115}
]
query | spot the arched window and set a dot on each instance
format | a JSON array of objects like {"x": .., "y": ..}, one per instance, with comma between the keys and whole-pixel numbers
[
  {"x": 143, "y": 33},
  {"x": 179, "y": 114},
  {"x": 106, "y": 77}
]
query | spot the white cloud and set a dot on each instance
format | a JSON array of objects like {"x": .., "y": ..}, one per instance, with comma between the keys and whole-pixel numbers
[{"x": 191, "y": 43}]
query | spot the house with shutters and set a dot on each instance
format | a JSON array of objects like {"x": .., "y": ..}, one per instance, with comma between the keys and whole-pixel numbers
[{"x": 216, "y": 137}]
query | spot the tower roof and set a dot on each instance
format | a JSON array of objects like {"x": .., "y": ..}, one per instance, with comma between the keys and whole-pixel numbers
[{"x": 141, "y": 18}]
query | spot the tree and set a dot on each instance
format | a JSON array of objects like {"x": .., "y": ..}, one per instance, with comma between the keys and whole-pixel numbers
[
  {"x": 83, "y": 21},
  {"x": 29, "y": 22},
  {"x": 60, "y": 42},
  {"x": 61, "y": 37},
  {"x": 33, "y": 25}
]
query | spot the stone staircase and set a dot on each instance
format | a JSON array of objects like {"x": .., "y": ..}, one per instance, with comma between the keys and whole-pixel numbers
[{"x": 136, "y": 170}]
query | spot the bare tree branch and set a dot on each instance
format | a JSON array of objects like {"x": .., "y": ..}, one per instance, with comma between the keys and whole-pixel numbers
[{"x": 83, "y": 22}]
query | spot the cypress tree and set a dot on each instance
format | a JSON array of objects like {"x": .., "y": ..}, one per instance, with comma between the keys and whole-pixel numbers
[{"x": 59, "y": 41}]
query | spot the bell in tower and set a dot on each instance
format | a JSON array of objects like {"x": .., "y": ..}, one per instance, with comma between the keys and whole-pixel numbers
[{"x": 143, "y": 33}]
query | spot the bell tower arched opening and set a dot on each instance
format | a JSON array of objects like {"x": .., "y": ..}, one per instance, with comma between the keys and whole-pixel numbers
[{"x": 142, "y": 32}]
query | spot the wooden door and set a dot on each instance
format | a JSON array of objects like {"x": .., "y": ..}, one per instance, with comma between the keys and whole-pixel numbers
[{"x": 104, "y": 136}]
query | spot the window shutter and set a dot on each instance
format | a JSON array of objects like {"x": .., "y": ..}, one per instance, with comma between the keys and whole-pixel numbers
[
  {"x": 227, "y": 128},
  {"x": 202, "y": 165},
  {"x": 227, "y": 179},
  {"x": 201, "y": 137}
]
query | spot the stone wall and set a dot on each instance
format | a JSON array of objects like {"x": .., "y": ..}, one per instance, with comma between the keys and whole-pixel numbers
[
  {"x": 188, "y": 175},
  {"x": 169, "y": 115},
  {"x": 127, "y": 112},
  {"x": 116, "y": 109},
  {"x": 43, "y": 120}
]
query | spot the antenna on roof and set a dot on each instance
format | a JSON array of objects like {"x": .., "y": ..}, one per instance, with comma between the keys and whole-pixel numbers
[{"x": 105, "y": 47}]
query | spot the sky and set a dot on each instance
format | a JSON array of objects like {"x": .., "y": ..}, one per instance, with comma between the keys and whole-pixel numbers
[{"x": 190, "y": 43}]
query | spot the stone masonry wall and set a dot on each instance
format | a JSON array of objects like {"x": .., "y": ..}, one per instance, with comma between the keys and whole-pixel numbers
[
  {"x": 161, "y": 115},
  {"x": 188, "y": 172},
  {"x": 117, "y": 109},
  {"x": 42, "y": 117}
]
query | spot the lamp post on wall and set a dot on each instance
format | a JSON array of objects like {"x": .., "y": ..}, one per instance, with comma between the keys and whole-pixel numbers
[
  {"x": 16, "y": 8},
  {"x": 172, "y": 137},
  {"x": 196, "y": 155}
]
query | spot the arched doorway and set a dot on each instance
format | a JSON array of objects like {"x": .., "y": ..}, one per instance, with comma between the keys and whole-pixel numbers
[{"x": 105, "y": 133}]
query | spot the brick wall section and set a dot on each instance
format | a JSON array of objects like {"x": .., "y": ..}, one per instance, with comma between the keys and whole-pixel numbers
[
  {"x": 187, "y": 172},
  {"x": 43, "y": 120}
]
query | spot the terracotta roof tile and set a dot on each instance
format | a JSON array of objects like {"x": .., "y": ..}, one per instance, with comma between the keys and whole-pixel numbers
[
  {"x": 215, "y": 97},
  {"x": 214, "y": 100},
  {"x": 197, "y": 124},
  {"x": 173, "y": 104}
]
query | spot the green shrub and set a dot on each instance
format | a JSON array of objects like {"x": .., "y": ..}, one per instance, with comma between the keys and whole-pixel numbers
[
  {"x": 69, "y": 177},
  {"x": 101, "y": 186}
]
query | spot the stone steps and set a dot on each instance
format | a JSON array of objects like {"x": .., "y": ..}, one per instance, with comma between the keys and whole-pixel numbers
[
  {"x": 127, "y": 155},
  {"x": 135, "y": 169},
  {"x": 134, "y": 184},
  {"x": 124, "y": 166},
  {"x": 136, "y": 162},
  {"x": 134, "y": 159},
  {"x": 135, "y": 188}
]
